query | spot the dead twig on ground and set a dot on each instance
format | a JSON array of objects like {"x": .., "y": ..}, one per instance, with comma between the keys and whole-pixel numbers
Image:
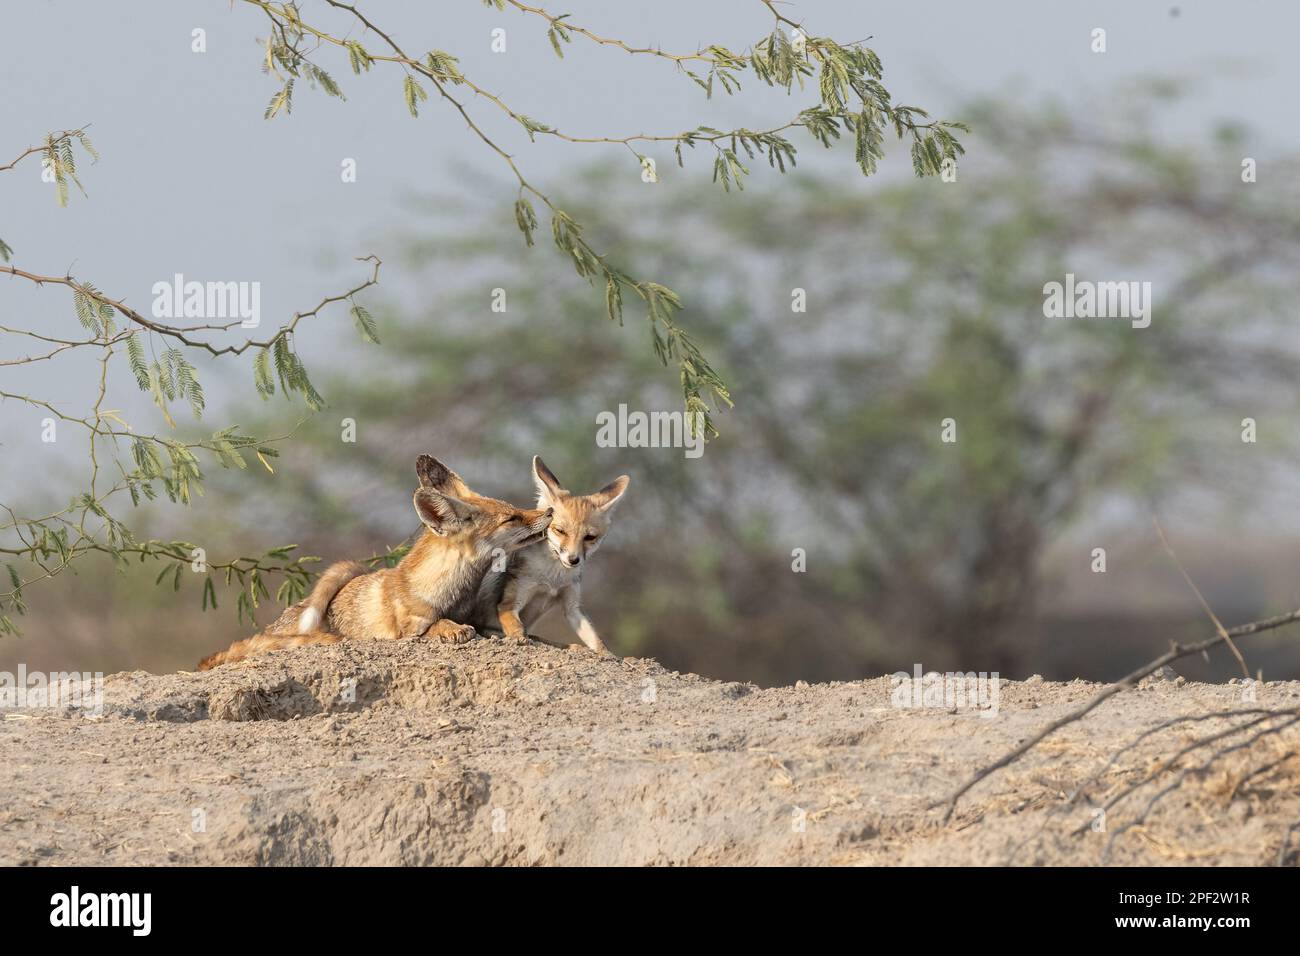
[{"x": 1176, "y": 652}]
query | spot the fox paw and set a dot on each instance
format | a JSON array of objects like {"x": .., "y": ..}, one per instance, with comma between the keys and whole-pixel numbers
[{"x": 450, "y": 633}]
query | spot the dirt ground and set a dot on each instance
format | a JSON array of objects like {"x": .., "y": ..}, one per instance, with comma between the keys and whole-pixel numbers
[{"x": 488, "y": 753}]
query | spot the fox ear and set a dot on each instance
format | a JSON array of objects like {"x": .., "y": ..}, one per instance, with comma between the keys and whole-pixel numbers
[
  {"x": 605, "y": 499},
  {"x": 548, "y": 486},
  {"x": 441, "y": 513},
  {"x": 431, "y": 471},
  {"x": 434, "y": 474}
]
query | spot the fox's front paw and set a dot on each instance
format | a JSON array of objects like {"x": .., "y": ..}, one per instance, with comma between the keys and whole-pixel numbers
[
  {"x": 414, "y": 629},
  {"x": 449, "y": 632},
  {"x": 520, "y": 638}
]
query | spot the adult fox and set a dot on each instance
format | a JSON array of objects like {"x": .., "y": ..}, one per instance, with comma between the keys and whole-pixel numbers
[{"x": 432, "y": 588}]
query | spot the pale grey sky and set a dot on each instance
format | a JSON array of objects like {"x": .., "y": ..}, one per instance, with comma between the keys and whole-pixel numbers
[{"x": 193, "y": 180}]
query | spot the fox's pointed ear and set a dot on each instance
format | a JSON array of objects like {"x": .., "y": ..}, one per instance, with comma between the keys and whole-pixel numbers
[
  {"x": 434, "y": 474},
  {"x": 441, "y": 514},
  {"x": 548, "y": 486},
  {"x": 605, "y": 499}
]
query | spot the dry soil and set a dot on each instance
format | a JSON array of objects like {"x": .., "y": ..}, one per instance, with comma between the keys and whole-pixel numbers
[{"x": 488, "y": 753}]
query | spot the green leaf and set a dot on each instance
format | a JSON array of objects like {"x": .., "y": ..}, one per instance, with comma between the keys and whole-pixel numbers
[
  {"x": 325, "y": 81},
  {"x": 533, "y": 126},
  {"x": 283, "y": 100},
  {"x": 613, "y": 298},
  {"x": 443, "y": 66},
  {"x": 262, "y": 374},
  {"x": 556, "y": 34},
  {"x": 86, "y": 145},
  {"x": 293, "y": 375},
  {"x": 187, "y": 384},
  {"x": 106, "y": 313},
  {"x": 358, "y": 58},
  {"x": 414, "y": 93},
  {"x": 158, "y": 389},
  {"x": 85, "y": 311},
  {"x": 526, "y": 218},
  {"x": 135, "y": 357},
  {"x": 365, "y": 323}
]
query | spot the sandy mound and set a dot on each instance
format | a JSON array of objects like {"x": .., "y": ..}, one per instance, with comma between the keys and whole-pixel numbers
[{"x": 419, "y": 753}]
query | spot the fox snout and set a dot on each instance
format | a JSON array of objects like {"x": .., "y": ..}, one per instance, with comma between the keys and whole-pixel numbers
[{"x": 568, "y": 558}]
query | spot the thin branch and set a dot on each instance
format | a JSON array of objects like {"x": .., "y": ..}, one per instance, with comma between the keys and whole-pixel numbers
[
  {"x": 179, "y": 333},
  {"x": 1176, "y": 652},
  {"x": 1218, "y": 625},
  {"x": 56, "y": 139},
  {"x": 562, "y": 22}
]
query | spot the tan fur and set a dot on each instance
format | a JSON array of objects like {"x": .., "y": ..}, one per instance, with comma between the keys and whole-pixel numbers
[
  {"x": 549, "y": 573},
  {"x": 299, "y": 625},
  {"x": 431, "y": 590}
]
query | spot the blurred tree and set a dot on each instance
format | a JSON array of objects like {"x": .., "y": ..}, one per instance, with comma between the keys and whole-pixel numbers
[{"x": 924, "y": 302}]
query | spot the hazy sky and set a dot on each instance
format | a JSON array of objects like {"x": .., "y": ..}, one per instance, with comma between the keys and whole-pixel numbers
[{"x": 194, "y": 181}]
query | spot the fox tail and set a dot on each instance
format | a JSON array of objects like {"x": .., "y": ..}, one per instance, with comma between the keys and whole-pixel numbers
[
  {"x": 308, "y": 624},
  {"x": 261, "y": 643},
  {"x": 331, "y": 582}
]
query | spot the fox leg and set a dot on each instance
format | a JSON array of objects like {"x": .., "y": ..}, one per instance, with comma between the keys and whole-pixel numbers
[
  {"x": 410, "y": 619},
  {"x": 409, "y": 623},
  {"x": 514, "y": 599},
  {"x": 449, "y": 632},
  {"x": 580, "y": 623}
]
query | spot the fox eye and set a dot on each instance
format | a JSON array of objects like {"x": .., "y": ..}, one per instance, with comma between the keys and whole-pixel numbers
[{"x": 590, "y": 537}]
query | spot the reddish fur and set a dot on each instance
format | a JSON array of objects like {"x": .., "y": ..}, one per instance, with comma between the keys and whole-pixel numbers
[{"x": 432, "y": 587}]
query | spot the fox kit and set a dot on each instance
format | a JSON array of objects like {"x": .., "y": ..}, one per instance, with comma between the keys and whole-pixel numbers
[
  {"x": 431, "y": 589},
  {"x": 550, "y": 572}
]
